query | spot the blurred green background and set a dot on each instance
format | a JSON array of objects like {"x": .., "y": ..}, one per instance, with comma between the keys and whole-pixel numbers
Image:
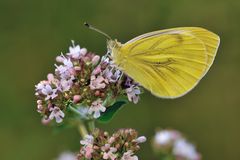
[{"x": 33, "y": 33}]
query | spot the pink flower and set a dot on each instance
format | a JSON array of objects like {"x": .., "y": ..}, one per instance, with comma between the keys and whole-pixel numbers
[
  {"x": 48, "y": 91},
  {"x": 166, "y": 137},
  {"x": 133, "y": 93},
  {"x": 67, "y": 156},
  {"x": 88, "y": 139},
  {"x": 66, "y": 71},
  {"x": 110, "y": 154},
  {"x": 129, "y": 156},
  {"x": 76, "y": 52},
  {"x": 185, "y": 150},
  {"x": 88, "y": 146},
  {"x": 65, "y": 85},
  {"x": 57, "y": 114},
  {"x": 97, "y": 82},
  {"x": 112, "y": 77},
  {"x": 96, "y": 108},
  {"x": 105, "y": 147},
  {"x": 41, "y": 85},
  {"x": 88, "y": 151}
]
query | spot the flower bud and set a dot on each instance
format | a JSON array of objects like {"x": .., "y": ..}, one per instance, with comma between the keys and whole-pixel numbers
[
  {"x": 50, "y": 77},
  {"x": 39, "y": 108},
  {"x": 45, "y": 121},
  {"x": 141, "y": 139},
  {"x": 77, "y": 68},
  {"x": 96, "y": 70},
  {"x": 95, "y": 59},
  {"x": 59, "y": 59},
  {"x": 97, "y": 93},
  {"x": 102, "y": 95},
  {"x": 111, "y": 140},
  {"x": 39, "y": 102},
  {"x": 76, "y": 98},
  {"x": 83, "y": 51}
]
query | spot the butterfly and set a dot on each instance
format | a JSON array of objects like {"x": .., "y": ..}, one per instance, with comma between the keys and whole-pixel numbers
[{"x": 169, "y": 63}]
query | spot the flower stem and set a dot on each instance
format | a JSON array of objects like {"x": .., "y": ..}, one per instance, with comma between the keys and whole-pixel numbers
[
  {"x": 81, "y": 126},
  {"x": 74, "y": 110},
  {"x": 82, "y": 129},
  {"x": 91, "y": 126}
]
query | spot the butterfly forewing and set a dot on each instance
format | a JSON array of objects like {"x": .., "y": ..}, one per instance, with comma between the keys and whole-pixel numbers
[{"x": 169, "y": 63}]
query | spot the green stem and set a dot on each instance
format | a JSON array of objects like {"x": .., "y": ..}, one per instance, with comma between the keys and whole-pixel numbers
[
  {"x": 82, "y": 129},
  {"x": 81, "y": 126},
  {"x": 74, "y": 110},
  {"x": 91, "y": 126}
]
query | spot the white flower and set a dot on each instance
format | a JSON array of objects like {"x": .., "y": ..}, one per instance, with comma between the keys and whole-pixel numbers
[
  {"x": 96, "y": 108},
  {"x": 67, "y": 156},
  {"x": 76, "y": 52},
  {"x": 66, "y": 84},
  {"x": 166, "y": 137},
  {"x": 48, "y": 91},
  {"x": 66, "y": 71},
  {"x": 57, "y": 114},
  {"x": 63, "y": 71},
  {"x": 88, "y": 140},
  {"x": 110, "y": 154},
  {"x": 133, "y": 93},
  {"x": 41, "y": 85},
  {"x": 185, "y": 150},
  {"x": 129, "y": 156},
  {"x": 97, "y": 82},
  {"x": 112, "y": 77}
]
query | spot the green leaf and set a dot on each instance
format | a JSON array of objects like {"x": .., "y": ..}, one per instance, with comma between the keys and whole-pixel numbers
[{"x": 111, "y": 111}]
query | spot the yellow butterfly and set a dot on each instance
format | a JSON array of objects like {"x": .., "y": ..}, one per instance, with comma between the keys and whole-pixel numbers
[{"x": 169, "y": 63}]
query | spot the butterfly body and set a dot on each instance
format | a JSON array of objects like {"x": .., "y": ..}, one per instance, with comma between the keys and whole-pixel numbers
[{"x": 169, "y": 63}]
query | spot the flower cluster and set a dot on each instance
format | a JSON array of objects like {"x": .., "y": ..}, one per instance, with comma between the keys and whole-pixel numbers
[
  {"x": 82, "y": 79},
  {"x": 122, "y": 145},
  {"x": 171, "y": 143},
  {"x": 66, "y": 155}
]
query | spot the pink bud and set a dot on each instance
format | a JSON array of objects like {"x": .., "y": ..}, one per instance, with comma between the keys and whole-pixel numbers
[
  {"x": 111, "y": 140},
  {"x": 50, "y": 77},
  {"x": 39, "y": 102},
  {"x": 45, "y": 121},
  {"x": 39, "y": 108},
  {"x": 96, "y": 70},
  {"x": 77, "y": 68},
  {"x": 59, "y": 59},
  {"x": 83, "y": 51},
  {"x": 97, "y": 93},
  {"x": 49, "y": 106},
  {"x": 95, "y": 59},
  {"x": 76, "y": 98}
]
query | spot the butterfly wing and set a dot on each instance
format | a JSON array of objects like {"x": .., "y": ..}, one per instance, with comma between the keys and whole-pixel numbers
[{"x": 169, "y": 62}]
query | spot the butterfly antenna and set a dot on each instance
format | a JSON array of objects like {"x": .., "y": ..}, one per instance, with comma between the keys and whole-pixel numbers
[{"x": 97, "y": 30}]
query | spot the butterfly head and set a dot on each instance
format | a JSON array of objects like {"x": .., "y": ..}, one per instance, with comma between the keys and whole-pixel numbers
[{"x": 114, "y": 48}]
